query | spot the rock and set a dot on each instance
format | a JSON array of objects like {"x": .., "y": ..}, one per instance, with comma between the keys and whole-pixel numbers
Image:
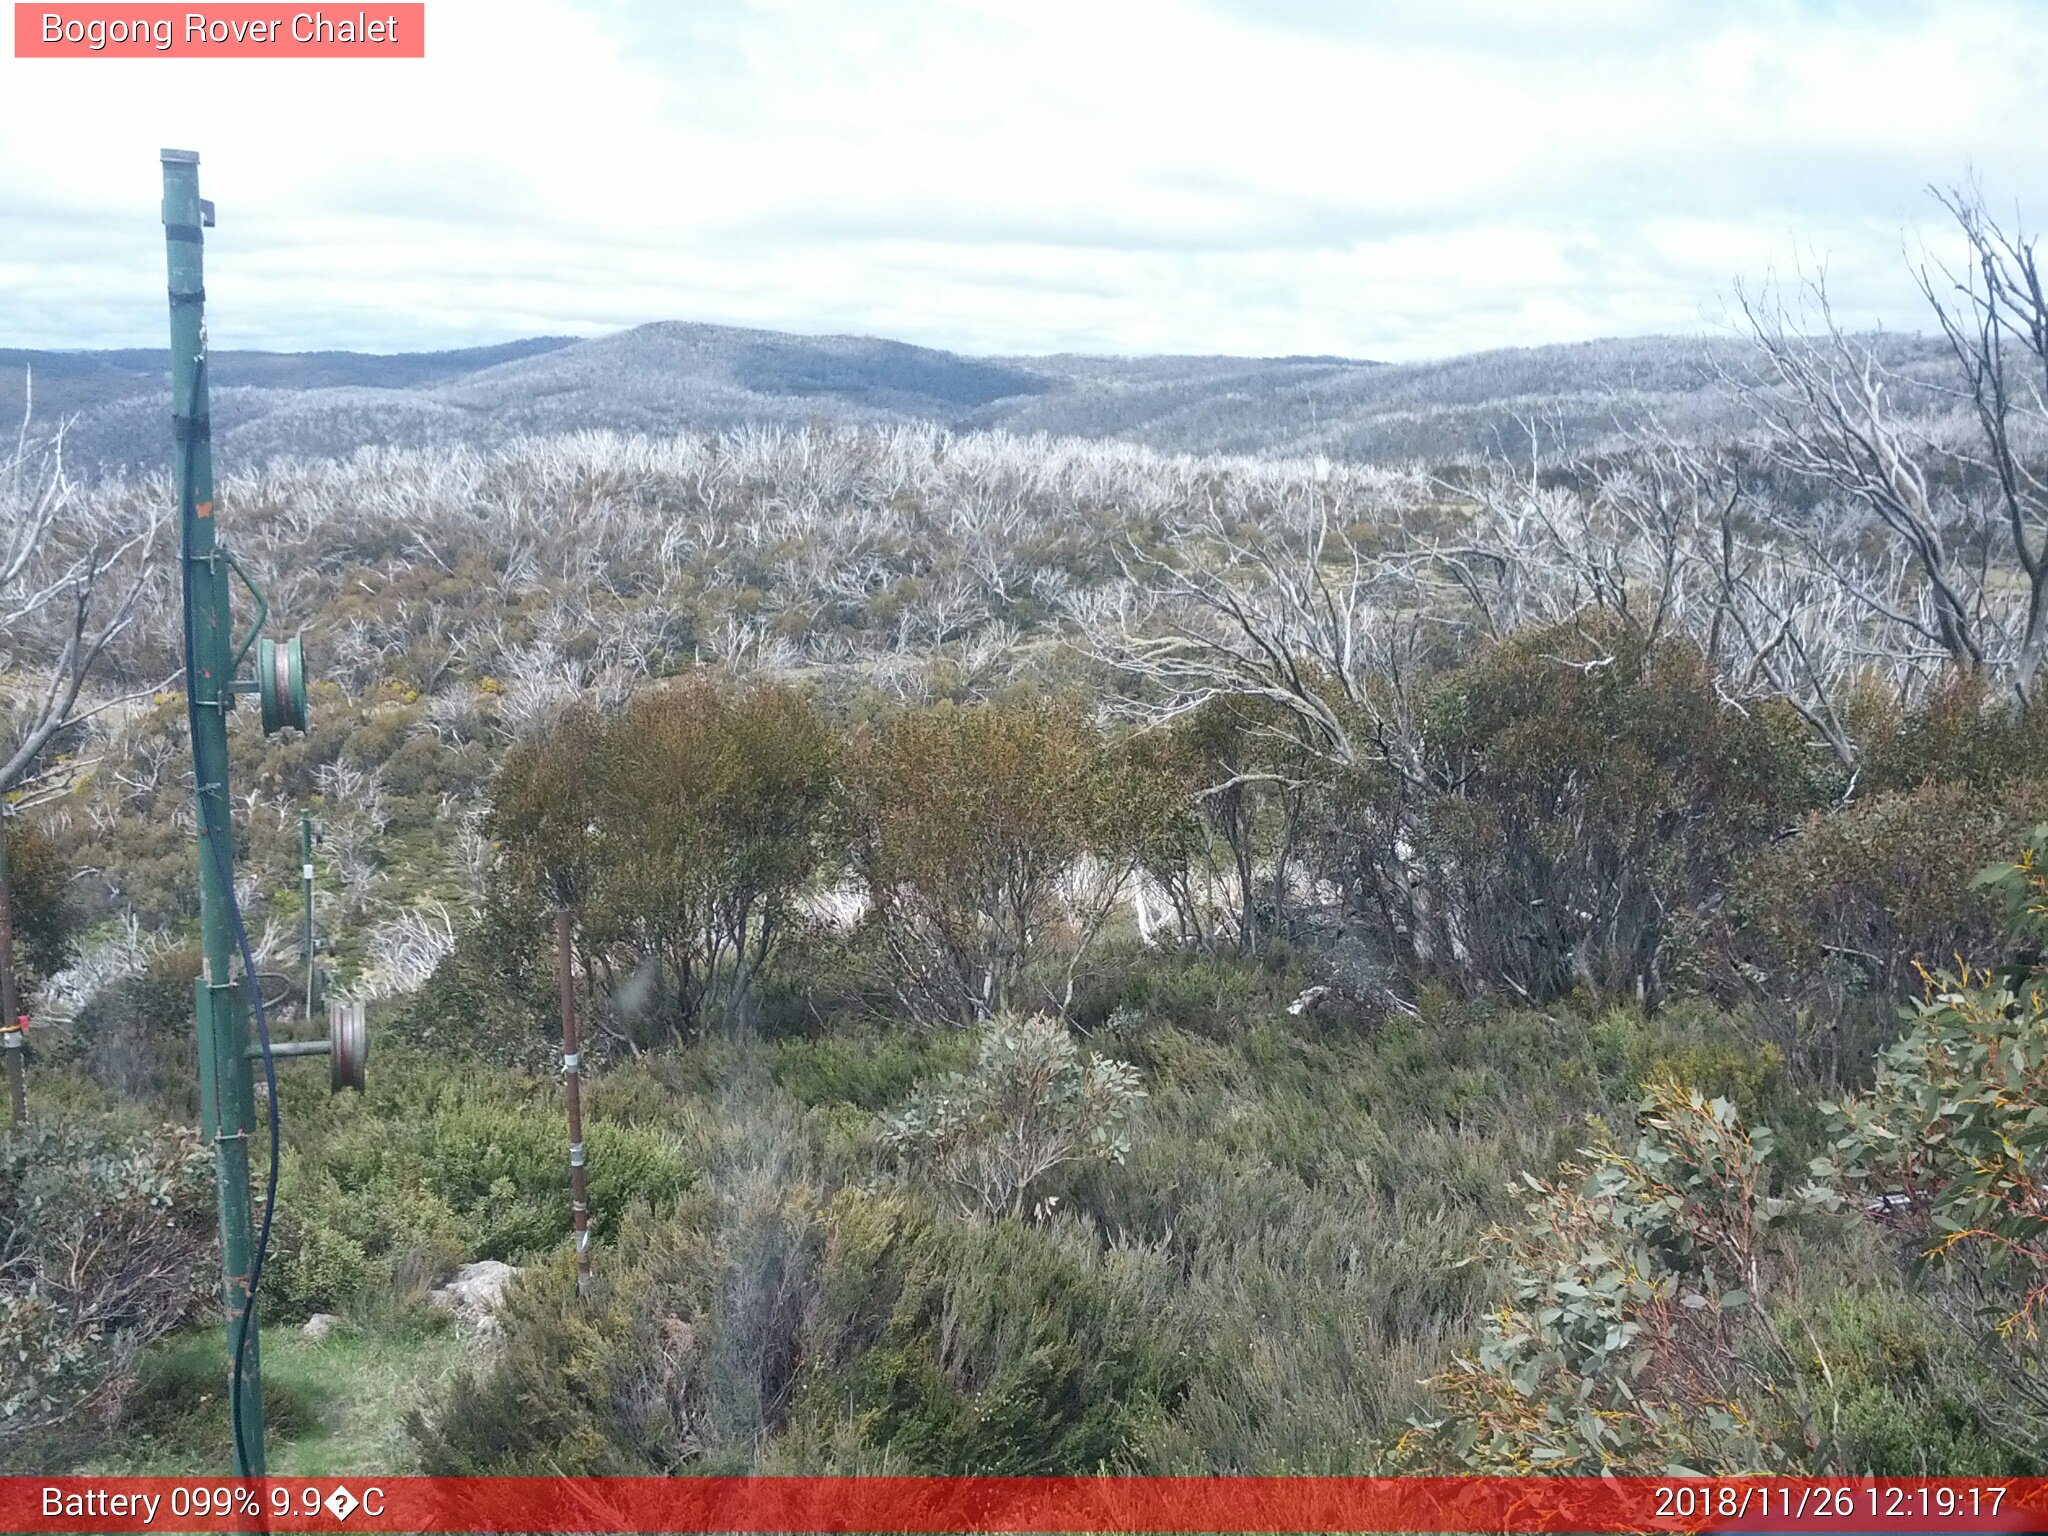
[
  {"x": 1307, "y": 1000},
  {"x": 319, "y": 1325},
  {"x": 473, "y": 1294}
]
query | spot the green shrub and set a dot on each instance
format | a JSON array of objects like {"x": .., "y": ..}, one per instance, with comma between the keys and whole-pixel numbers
[
  {"x": 40, "y": 904},
  {"x": 1953, "y": 1134},
  {"x": 1820, "y": 933},
  {"x": 681, "y": 830},
  {"x": 444, "y": 1163},
  {"x": 871, "y": 1069},
  {"x": 135, "y": 1037},
  {"x": 1960, "y": 735},
  {"x": 1689, "y": 1041},
  {"x": 324, "y": 1270},
  {"x": 492, "y": 997},
  {"x": 1208, "y": 994},
  {"x": 1630, "y": 1334},
  {"x": 1030, "y": 1103},
  {"x": 1892, "y": 1392},
  {"x": 770, "y": 1330},
  {"x": 106, "y": 1244},
  {"x": 967, "y": 824},
  {"x": 1579, "y": 787},
  {"x": 505, "y": 1175},
  {"x": 551, "y": 1400},
  {"x": 997, "y": 1351},
  {"x": 682, "y": 1357}
]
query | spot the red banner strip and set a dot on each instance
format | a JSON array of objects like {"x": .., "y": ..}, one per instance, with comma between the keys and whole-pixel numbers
[
  {"x": 935, "y": 1504},
  {"x": 379, "y": 30}
]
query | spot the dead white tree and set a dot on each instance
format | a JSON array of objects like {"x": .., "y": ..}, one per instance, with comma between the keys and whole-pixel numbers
[
  {"x": 1943, "y": 474},
  {"x": 1284, "y": 605},
  {"x": 1332, "y": 615},
  {"x": 73, "y": 571},
  {"x": 1290, "y": 609},
  {"x": 1995, "y": 317},
  {"x": 1669, "y": 544}
]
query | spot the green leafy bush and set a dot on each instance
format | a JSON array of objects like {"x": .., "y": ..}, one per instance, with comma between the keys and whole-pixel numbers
[
  {"x": 683, "y": 1356},
  {"x": 1689, "y": 1041},
  {"x": 321, "y": 1270},
  {"x": 681, "y": 829},
  {"x": 135, "y": 1037},
  {"x": 1960, "y": 734},
  {"x": 995, "y": 1351},
  {"x": 493, "y": 996},
  {"x": 1892, "y": 1393},
  {"x": 1821, "y": 932},
  {"x": 40, "y": 906},
  {"x": 1576, "y": 788},
  {"x": 441, "y": 1165},
  {"x": 1632, "y": 1332},
  {"x": 769, "y": 1330},
  {"x": 1953, "y": 1134},
  {"x": 106, "y": 1244},
  {"x": 1031, "y": 1103},
  {"x": 968, "y": 825},
  {"x": 578, "y": 1388}
]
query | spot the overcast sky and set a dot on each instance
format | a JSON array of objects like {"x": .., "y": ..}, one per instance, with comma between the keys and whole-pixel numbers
[{"x": 1377, "y": 178}]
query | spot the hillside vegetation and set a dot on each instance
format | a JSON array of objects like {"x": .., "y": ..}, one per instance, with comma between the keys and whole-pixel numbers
[
  {"x": 1097, "y": 958},
  {"x": 664, "y": 378}
]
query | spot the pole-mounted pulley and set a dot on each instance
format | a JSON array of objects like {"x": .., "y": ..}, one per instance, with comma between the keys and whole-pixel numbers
[
  {"x": 348, "y": 1043},
  {"x": 347, "y": 1047},
  {"x": 281, "y": 684}
]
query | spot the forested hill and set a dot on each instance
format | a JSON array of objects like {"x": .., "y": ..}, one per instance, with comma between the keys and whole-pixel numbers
[{"x": 661, "y": 378}]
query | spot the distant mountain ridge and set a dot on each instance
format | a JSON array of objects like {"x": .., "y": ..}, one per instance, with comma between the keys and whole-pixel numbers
[
  {"x": 69, "y": 382},
  {"x": 675, "y": 375}
]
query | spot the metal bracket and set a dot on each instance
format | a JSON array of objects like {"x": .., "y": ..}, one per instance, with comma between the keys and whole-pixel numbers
[{"x": 262, "y": 610}]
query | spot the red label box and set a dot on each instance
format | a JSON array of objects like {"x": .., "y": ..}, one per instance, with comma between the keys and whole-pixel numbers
[
  {"x": 695, "y": 1506},
  {"x": 226, "y": 31}
]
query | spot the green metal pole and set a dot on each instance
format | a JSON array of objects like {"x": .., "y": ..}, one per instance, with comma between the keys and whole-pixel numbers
[
  {"x": 312, "y": 944},
  {"x": 226, "y": 1086}
]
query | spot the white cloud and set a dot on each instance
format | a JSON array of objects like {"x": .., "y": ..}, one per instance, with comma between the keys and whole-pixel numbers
[{"x": 1399, "y": 180}]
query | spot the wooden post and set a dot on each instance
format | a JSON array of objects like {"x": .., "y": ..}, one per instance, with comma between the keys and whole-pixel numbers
[
  {"x": 572, "y": 1092},
  {"x": 11, "y": 1042}
]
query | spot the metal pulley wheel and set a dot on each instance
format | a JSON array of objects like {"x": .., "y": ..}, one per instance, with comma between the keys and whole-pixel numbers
[
  {"x": 281, "y": 683},
  {"x": 348, "y": 1046}
]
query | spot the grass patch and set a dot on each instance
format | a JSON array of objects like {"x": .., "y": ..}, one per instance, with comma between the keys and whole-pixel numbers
[{"x": 334, "y": 1408}]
